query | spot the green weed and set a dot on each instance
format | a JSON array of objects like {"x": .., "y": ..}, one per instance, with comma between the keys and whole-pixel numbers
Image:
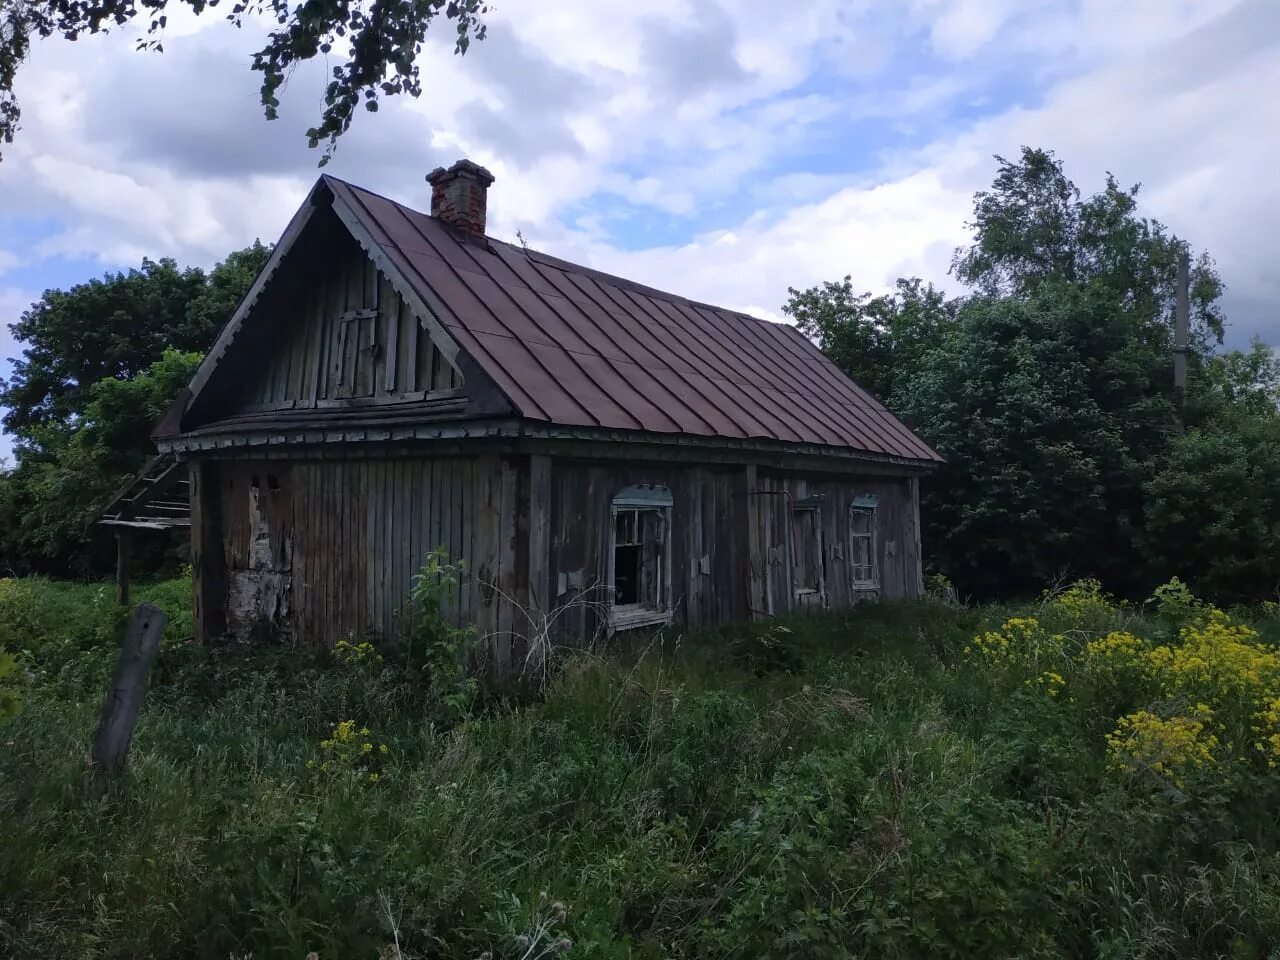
[{"x": 845, "y": 785}]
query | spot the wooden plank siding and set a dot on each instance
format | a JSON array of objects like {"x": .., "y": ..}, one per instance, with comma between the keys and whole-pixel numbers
[
  {"x": 729, "y": 560},
  {"x": 897, "y": 537},
  {"x": 323, "y": 549},
  {"x": 346, "y": 337},
  {"x": 343, "y": 540}
]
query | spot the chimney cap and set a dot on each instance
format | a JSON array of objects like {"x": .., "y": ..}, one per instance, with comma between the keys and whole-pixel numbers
[{"x": 463, "y": 168}]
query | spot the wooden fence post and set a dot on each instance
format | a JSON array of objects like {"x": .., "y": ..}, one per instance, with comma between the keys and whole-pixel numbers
[
  {"x": 122, "y": 566},
  {"x": 128, "y": 686}
]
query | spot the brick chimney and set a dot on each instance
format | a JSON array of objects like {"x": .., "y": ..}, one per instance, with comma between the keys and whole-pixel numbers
[{"x": 458, "y": 196}]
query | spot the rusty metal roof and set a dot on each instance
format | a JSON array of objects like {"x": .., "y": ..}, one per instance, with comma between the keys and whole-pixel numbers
[{"x": 576, "y": 347}]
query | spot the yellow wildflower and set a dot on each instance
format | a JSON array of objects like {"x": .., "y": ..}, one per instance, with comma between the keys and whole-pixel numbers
[{"x": 1170, "y": 746}]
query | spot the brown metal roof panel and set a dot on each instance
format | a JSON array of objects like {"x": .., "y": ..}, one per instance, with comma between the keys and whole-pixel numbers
[
  {"x": 707, "y": 418},
  {"x": 774, "y": 425},
  {"x": 609, "y": 326},
  {"x": 638, "y": 394},
  {"x": 832, "y": 378},
  {"x": 881, "y": 430},
  {"x": 751, "y": 352},
  {"x": 785, "y": 388},
  {"x": 574, "y": 326},
  {"x": 510, "y": 385},
  {"x": 652, "y": 337},
  {"x": 555, "y": 317},
  {"x": 520, "y": 364},
  {"x": 573, "y": 376},
  {"x": 810, "y": 420},
  {"x": 524, "y": 267},
  {"x": 715, "y": 360},
  {"x": 477, "y": 301},
  {"x": 739, "y": 360}
]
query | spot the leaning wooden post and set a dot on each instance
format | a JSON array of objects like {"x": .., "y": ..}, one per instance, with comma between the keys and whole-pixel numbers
[
  {"x": 122, "y": 567},
  {"x": 124, "y": 698}
]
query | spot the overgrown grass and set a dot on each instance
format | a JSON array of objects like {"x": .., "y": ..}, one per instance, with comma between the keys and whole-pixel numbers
[{"x": 850, "y": 785}]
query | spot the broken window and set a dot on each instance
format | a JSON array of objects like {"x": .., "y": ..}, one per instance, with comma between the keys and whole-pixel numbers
[
  {"x": 640, "y": 556},
  {"x": 806, "y": 548},
  {"x": 862, "y": 543}
]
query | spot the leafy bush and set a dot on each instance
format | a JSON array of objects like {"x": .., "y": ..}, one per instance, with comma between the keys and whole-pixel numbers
[
  {"x": 435, "y": 651},
  {"x": 875, "y": 792}
]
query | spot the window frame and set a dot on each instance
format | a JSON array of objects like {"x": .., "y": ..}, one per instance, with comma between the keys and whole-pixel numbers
[
  {"x": 864, "y": 506},
  {"x": 813, "y": 506},
  {"x": 641, "y": 497}
]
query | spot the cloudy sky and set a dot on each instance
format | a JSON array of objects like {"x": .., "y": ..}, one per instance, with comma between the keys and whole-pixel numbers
[{"x": 723, "y": 149}]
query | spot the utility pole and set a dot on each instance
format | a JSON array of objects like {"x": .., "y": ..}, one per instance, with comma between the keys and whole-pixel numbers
[{"x": 1181, "y": 326}]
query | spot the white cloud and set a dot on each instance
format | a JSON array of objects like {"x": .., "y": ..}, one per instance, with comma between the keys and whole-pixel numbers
[{"x": 783, "y": 150}]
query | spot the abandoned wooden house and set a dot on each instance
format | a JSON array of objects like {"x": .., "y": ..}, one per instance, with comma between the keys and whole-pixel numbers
[{"x": 587, "y": 446}]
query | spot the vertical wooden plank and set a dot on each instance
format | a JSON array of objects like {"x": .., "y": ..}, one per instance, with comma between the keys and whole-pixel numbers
[
  {"x": 440, "y": 371},
  {"x": 208, "y": 561},
  {"x": 687, "y": 518},
  {"x": 333, "y": 611},
  {"x": 122, "y": 566},
  {"x": 457, "y": 522},
  {"x": 913, "y": 518},
  {"x": 373, "y": 532},
  {"x": 322, "y": 554},
  {"x": 389, "y": 310},
  {"x": 445, "y": 495},
  {"x": 339, "y": 505},
  {"x": 417, "y": 508},
  {"x": 394, "y": 560},
  {"x": 750, "y": 564},
  {"x": 391, "y": 533},
  {"x": 302, "y": 530},
  {"x": 488, "y": 468},
  {"x": 355, "y": 302},
  {"x": 540, "y": 599},
  {"x": 467, "y": 518},
  {"x": 427, "y": 364},
  {"x": 319, "y": 354},
  {"x": 522, "y": 626},
  {"x": 412, "y": 328},
  {"x": 508, "y": 623}
]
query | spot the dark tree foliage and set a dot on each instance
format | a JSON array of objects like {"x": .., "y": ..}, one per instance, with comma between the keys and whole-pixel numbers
[
  {"x": 1213, "y": 503},
  {"x": 113, "y": 327},
  {"x": 1049, "y": 390},
  {"x": 54, "y": 498},
  {"x": 877, "y": 340},
  {"x": 375, "y": 43},
  {"x": 101, "y": 362}
]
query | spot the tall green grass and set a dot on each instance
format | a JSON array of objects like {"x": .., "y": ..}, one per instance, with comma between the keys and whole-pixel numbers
[{"x": 845, "y": 786}]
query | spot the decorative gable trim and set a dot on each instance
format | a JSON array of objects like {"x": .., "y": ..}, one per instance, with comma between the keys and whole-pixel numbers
[{"x": 486, "y": 397}]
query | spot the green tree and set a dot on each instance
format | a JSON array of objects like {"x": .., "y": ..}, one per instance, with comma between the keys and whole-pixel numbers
[
  {"x": 1049, "y": 389},
  {"x": 54, "y": 499},
  {"x": 113, "y": 327},
  {"x": 880, "y": 341},
  {"x": 374, "y": 44},
  {"x": 1006, "y": 399},
  {"x": 101, "y": 363},
  {"x": 1213, "y": 501}
]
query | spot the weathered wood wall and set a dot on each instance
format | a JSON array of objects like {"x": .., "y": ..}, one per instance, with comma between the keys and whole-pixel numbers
[
  {"x": 324, "y": 549},
  {"x": 327, "y": 549},
  {"x": 347, "y": 336},
  {"x": 708, "y": 531},
  {"x": 897, "y": 540},
  {"x": 731, "y": 538}
]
